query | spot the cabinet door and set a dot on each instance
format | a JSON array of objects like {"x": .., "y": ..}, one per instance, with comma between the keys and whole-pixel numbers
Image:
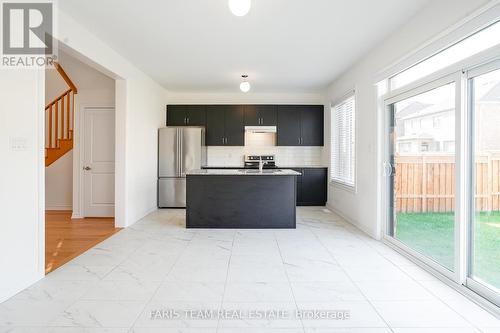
[
  {"x": 234, "y": 125},
  {"x": 196, "y": 115},
  {"x": 176, "y": 115},
  {"x": 260, "y": 115},
  {"x": 268, "y": 115},
  {"x": 252, "y": 117},
  {"x": 289, "y": 125},
  {"x": 312, "y": 125},
  {"x": 314, "y": 186},
  {"x": 215, "y": 125}
]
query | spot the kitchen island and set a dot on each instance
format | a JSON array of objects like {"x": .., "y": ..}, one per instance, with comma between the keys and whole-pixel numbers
[{"x": 241, "y": 199}]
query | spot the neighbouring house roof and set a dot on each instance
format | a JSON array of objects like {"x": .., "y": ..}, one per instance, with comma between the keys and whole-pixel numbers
[
  {"x": 411, "y": 137},
  {"x": 493, "y": 95},
  {"x": 430, "y": 110},
  {"x": 412, "y": 108}
]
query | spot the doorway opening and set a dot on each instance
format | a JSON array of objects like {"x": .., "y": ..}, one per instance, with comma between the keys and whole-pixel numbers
[{"x": 79, "y": 159}]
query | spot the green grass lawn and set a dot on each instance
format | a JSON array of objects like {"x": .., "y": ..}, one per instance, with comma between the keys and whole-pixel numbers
[{"x": 433, "y": 235}]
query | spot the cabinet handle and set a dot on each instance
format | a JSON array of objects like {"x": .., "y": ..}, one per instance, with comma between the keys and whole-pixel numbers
[{"x": 187, "y": 120}]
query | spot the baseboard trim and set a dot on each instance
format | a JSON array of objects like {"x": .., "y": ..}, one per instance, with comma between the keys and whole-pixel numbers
[
  {"x": 58, "y": 207},
  {"x": 352, "y": 222}
]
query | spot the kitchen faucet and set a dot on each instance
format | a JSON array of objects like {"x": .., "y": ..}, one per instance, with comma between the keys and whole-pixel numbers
[{"x": 261, "y": 164}]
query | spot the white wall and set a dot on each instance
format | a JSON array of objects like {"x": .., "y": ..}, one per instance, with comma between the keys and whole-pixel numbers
[
  {"x": 21, "y": 180},
  {"x": 94, "y": 89},
  {"x": 59, "y": 184},
  {"x": 233, "y": 156},
  {"x": 361, "y": 207}
]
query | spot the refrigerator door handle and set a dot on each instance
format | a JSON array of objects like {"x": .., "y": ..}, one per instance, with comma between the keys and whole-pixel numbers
[
  {"x": 178, "y": 154},
  {"x": 181, "y": 152}
]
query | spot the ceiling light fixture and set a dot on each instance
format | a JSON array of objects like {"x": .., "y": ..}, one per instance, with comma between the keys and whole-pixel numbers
[
  {"x": 240, "y": 7},
  {"x": 245, "y": 85}
]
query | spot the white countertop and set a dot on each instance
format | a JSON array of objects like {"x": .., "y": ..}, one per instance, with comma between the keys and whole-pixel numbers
[{"x": 242, "y": 172}]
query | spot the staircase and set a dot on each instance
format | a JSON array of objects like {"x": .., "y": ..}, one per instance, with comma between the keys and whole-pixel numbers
[{"x": 59, "y": 118}]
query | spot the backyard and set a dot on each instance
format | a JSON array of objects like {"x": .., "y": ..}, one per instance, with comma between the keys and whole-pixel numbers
[{"x": 432, "y": 234}]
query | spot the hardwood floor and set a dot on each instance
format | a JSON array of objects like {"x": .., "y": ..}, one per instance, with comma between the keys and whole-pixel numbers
[{"x": 65, "y": 238}]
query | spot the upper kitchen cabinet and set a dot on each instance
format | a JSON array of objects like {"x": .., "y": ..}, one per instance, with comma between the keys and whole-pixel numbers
[
  {"x": 312, "y": 125},
  {"x": 261, "y": 115},
  {"x": 300, "y": 125},
  {"x": 186, "y": 115},
  {"x": 289, "y": 125},
  {"x": 225, "y": 125}
]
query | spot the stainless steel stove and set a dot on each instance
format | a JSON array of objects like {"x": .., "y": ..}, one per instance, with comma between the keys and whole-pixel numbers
[{"x": 252, "y": 161}]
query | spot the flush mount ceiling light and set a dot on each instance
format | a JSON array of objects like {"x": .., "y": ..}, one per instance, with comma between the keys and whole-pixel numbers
[
  {"x": 240, "y": 7},
  {"x": 245, "y": 85}
]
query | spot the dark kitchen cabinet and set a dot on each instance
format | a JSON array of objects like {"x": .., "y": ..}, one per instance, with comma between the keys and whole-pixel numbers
[
  {"x": 312, "y": 125},
  {"x": 300, "y": 125},
  {"x": 312, "y": 186},
  {"x": 234, "y": 125},
  {"x": 176, "y": 115},
  {"x": 225, "y": 125},
  {"x": 215, "y": 131},
  {"x": 289, "y": 125},
  {"x": 186, "y": 115},
  {"x": 261, "y": 115}
]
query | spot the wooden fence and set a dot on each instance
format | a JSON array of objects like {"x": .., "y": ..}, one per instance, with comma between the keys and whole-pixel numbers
[{"x": 426, "y": 183}]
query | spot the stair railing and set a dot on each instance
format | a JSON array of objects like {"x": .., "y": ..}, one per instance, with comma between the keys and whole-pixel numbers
[{"x": 59, "y": 114}]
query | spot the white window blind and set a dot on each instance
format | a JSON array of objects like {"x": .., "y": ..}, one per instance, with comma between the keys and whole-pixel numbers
[{"x": 343, "y": 142}]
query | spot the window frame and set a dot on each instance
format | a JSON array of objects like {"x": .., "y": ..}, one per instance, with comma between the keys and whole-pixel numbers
[{"x": 338, "y": 183}]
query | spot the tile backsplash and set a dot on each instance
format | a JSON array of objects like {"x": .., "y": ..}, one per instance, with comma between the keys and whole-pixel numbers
[{"x": 285, "y": 156}]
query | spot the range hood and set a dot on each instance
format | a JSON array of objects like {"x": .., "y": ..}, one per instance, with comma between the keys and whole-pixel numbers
[{"x": 260, "y": 129}]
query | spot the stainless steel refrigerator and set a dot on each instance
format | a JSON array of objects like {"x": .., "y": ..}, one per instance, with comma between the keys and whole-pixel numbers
[{"x": 180, "y": 149}]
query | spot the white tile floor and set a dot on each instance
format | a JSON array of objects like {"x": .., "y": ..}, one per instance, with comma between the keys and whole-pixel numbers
[{"x": 324, "y": 265}]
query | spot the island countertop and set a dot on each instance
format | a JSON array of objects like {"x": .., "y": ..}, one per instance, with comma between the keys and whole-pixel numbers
[{"x": 242, "y": 172}]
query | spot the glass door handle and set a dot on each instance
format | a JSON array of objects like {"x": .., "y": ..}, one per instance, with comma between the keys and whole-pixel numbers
[{"x": 389, "y": 169}]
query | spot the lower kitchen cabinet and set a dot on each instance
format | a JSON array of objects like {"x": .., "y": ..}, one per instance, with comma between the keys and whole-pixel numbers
[{"x": 312, "y": 186}]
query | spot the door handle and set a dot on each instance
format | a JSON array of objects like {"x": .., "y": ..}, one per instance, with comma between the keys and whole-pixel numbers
[
  {"x": 87, "y": 168},
  {"x": 389, "y": 169}
]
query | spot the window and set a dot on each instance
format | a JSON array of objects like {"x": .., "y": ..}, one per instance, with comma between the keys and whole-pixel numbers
[
  {"x": 465, "y": 48},
  {"x": 343, "y": 142}
]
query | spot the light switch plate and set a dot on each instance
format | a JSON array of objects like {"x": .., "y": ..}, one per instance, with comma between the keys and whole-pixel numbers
[{"x": 18, "y": 144}]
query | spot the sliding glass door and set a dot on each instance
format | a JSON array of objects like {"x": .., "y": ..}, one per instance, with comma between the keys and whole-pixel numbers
[
  {"x": 484, "y": 266},
  {"x": 422, "y": 186},
  {"x": 443, "y": 176}
]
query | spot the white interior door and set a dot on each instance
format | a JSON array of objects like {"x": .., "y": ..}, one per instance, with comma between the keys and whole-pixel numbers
[{"x": 99, "y": 162}]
